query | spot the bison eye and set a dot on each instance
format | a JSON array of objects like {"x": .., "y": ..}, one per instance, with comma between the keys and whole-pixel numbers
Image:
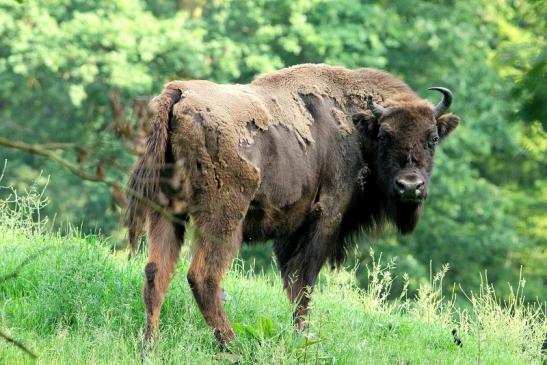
[
  {"x": 383, "y": 136},
  {"x": 433, "y": 140}
]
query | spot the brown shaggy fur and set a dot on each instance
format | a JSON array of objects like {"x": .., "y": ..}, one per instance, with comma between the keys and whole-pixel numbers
[{"x": 296, "y": 156}]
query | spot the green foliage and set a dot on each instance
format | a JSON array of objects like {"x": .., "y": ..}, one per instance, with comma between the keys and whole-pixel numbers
[{"x": 62, "y": 61}]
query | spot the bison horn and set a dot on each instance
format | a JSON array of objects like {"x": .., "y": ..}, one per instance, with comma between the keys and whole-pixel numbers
[
  {"x": 445, "y": 103},
  {"x": 376, "y": 109}
]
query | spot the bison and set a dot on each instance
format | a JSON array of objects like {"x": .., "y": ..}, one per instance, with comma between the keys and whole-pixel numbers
[{"x": 305, "y": 156}]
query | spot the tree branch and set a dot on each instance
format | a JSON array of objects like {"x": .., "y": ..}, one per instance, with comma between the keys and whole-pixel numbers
[
  {"x": 10, "y": 276},
  {"x": 18, "y": 344},
  {"x": 26, "y": 261},
  {"x": 59, "y": 146},
  {"x": 115, "y": 187},
  {"x": 40, "y": 150}
]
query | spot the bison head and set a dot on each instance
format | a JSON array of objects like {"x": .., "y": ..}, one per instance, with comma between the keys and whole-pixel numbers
[{"x": 400, "y": 147}]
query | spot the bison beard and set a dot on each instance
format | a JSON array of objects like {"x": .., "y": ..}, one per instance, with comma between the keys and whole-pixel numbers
[
  {"x": 304, "y": 156},
  {"x": 406, "y": 216}
]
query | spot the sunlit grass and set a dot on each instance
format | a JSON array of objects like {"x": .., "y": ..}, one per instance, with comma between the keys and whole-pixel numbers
[{"x": 76, "y": 303}]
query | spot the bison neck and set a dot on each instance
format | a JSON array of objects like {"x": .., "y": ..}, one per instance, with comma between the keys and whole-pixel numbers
[
  {"x": 373, "y": 208},
  {"x": 367, "y": 213}
]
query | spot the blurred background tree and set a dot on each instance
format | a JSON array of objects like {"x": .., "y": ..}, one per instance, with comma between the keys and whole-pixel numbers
[{"x": 74, "y": 73}]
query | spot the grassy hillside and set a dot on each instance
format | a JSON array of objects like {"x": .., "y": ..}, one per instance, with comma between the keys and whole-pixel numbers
[{"x": 75, "y": 302}]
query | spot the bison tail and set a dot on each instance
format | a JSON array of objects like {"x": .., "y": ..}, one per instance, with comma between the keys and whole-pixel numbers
[{"x": 144, "y": 183}]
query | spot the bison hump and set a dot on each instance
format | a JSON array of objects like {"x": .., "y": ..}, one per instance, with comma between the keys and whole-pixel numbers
[{"x": 232, "y": 107}]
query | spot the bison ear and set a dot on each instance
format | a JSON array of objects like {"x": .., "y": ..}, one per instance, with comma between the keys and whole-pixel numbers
[
  {"x": 446, "y": 124},
  {"x": 366, "y": 122}
]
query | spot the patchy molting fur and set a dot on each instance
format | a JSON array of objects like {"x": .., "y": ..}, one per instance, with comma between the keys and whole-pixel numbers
[{"x": 281, "y": 158}]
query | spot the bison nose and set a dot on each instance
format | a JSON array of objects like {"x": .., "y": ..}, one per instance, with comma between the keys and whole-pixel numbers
[{"x": 410, "y": 187}]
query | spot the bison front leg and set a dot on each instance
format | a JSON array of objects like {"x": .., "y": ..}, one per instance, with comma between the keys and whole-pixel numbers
[
  {"x": 299, "y": 269},
  {"x": 211, "y": 260},
  {"x": 299, "y": 290},
  {"x": 302, "y": 257},
  {"x": 299, "y": 282},
  {"x": 164, "y": 242}
]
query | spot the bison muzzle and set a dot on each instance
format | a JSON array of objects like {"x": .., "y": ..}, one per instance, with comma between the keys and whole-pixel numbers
[{"x": 305, "y": 156}]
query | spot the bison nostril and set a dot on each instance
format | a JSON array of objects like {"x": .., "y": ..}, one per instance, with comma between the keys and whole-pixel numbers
[
  {"x": 410, "y": 187},
  {"x": 401, "y": 184}
]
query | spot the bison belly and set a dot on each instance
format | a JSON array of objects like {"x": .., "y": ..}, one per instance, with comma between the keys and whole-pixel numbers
[{"x": 289, "y": 174}]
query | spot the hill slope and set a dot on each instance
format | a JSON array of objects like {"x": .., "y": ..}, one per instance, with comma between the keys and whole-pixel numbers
[{"x": 75, "y": 302}]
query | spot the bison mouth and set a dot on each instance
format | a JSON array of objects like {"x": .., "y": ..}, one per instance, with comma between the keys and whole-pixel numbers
[{"x": 409, "y": 200}]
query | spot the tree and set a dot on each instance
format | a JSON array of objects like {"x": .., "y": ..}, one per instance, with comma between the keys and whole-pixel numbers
[{"x": 77, "y": 74}]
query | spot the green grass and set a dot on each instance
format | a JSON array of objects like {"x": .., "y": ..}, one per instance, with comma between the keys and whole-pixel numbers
[{"x": 77, "y": 303}]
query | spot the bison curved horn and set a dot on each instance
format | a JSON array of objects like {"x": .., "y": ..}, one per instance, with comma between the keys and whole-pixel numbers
[
  {"x": 376, "y": 109},
  {"x": 445, "y": 103}
]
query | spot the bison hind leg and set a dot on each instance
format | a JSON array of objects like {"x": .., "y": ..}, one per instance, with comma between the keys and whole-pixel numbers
[
  {"x": 211, "y": 260},
  {"x": 164, "y": 241}
]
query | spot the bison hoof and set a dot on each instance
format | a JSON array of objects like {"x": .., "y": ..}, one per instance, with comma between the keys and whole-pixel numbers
[
  {"x": 228, "y": 357},
  {"x": 148, "y": 347},
  {"x": 223, "y": 338}
]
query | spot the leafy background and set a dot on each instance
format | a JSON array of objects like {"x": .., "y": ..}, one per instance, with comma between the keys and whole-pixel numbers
[{"x": 63, "y": 62}]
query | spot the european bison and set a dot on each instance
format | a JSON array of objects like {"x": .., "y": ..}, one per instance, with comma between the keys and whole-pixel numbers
[{"x": 304, "y": 156}]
